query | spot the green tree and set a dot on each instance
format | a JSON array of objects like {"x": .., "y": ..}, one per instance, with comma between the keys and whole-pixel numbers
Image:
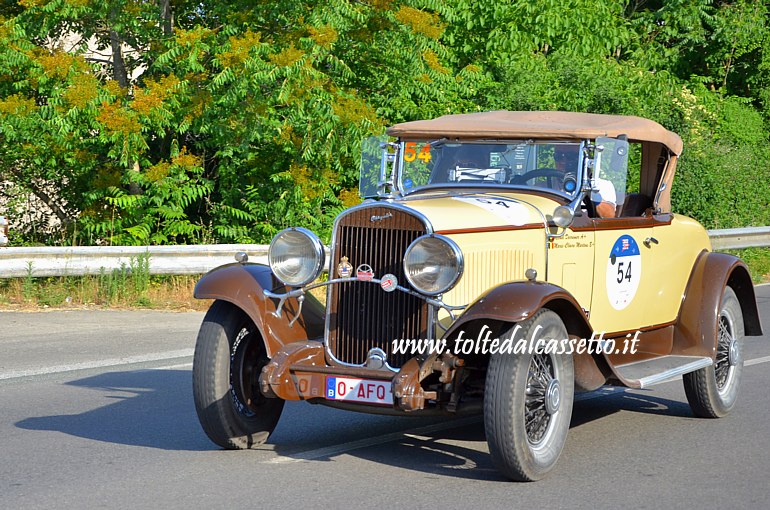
[{"x": 180, "y": 121}]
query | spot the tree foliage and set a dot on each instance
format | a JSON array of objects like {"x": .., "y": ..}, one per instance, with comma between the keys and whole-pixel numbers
[{"x": 154, "y": 122}]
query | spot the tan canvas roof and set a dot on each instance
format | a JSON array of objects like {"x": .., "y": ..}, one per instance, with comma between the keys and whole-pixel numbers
[{"x": 555, "y": 125}]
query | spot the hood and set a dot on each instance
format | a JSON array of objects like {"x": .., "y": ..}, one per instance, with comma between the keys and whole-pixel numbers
[{"x": 483, "y": 212}]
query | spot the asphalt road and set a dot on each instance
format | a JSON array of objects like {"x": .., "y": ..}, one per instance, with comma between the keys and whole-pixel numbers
[{"x": 96, "y": 411}]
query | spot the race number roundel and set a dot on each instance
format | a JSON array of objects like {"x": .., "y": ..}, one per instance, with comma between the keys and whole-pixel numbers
[{"x": 624, "y": 271}]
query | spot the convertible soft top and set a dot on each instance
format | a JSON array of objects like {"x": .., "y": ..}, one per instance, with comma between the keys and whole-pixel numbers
[{"x": 554, "y": 125}]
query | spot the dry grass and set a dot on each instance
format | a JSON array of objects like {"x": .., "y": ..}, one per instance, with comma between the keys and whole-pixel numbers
[
  {"x": 104, "y": 291},
  {"x": 121, "y": 290}
]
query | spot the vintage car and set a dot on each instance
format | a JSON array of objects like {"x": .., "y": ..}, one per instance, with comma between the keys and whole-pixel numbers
[{"x": 500, "y": 263}]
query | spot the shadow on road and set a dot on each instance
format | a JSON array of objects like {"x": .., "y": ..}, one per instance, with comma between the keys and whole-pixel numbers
[
  {"x": 597, "y": 408},
  {"x": 154, "y": 409},
  {"x": 151, "y": 408}
]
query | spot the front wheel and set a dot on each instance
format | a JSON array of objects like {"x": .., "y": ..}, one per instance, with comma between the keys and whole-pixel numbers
[
  {"x": 229, "y": 356},
  {"x": 528, "y": 402},
  {"x": 713, "y": 390}
]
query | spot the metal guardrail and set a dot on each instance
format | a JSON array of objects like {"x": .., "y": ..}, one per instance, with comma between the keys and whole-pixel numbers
[
  {"x": 736, "y": 238},
  {"x": 198, "y": 259},
  {"x": 84, "y": 260}
]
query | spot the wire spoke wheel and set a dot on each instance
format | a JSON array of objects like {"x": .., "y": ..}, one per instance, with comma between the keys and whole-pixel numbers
[
  {"x": 537, "y": 417},
  {"x": 724, "y": 368},
  {"x": 713, "y": 390},
  {"x": 528, "y": 402}
]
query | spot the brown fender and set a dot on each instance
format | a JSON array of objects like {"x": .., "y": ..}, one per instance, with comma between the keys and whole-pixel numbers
[
  {"x": 695, "y": 332},
  {"x": 513, "y": 302},
  {"x": 242, "y": 285}
]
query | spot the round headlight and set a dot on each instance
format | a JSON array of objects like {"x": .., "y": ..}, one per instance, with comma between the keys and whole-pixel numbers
[
  {"x": 433, "y": 264},
  {"x": 296, "y": 256}
]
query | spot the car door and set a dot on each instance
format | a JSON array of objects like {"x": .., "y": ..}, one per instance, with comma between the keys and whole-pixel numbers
[
  {"x": 624, "y": 289},
  {"x": 676, "y": 243}
]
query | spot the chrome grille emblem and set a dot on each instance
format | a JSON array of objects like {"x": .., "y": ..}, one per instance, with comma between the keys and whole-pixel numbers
[{"x": 380, "y": 218}]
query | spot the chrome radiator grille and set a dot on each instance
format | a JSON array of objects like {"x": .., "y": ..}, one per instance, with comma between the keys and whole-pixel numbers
[{"x": 361, "y": 315}]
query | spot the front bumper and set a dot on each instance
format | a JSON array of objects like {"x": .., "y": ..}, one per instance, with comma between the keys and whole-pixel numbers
[{"x": 299, "y": 372}]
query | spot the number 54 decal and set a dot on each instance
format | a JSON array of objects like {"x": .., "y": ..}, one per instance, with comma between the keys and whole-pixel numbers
[
  {"x": 624, "y": 271},
  {"x": 414, "y": 151},
  {"x": 621, "y": 274}
]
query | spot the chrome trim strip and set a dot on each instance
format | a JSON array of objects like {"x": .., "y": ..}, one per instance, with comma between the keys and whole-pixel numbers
[
  {"x": 645, "y": 382},
  {"x": 444, "y": 190}
]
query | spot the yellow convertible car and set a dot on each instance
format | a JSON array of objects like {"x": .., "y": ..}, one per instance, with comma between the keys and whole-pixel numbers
[{"x": 500, "y": 263}]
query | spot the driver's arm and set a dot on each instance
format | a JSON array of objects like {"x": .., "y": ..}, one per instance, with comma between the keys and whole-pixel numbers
[
  {"x": 605, "y": 210},
  {"x": 605, "y": 198}
]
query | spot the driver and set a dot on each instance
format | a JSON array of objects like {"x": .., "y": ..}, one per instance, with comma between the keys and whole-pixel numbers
[
  {"x": 604, "y": 197},
  {"x": 470, "y": 156}
]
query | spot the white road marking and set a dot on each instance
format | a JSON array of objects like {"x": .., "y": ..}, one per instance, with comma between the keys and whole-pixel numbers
[
  {"x": 756, "y": 361},
  {"x": 173, "y": 367},
  {"x": 421, "y": 432},
  {"x": 128, "y": 360}
]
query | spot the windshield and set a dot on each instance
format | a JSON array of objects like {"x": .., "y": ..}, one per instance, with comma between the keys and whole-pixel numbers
[{"x": 553, "y": 166}]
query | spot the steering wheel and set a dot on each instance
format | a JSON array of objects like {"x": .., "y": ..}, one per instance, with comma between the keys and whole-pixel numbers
[{"x": 549, "y": 173}]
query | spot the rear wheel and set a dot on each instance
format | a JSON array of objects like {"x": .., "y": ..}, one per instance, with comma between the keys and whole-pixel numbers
[
  {"x": 528, "y": 402},
  {"x": 713, "y": 390},
  {"x": 229, "y": 356}
]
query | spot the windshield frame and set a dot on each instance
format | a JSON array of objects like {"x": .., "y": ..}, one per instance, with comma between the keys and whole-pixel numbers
[{"x": 405, "y": 190}]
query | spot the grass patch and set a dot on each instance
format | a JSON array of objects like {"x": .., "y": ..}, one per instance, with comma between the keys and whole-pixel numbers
[
  {"x": 117, "y": 289},
  {"x": 131, "y": 286}
]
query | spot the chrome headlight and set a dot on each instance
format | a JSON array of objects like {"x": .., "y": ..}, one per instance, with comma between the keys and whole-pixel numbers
[
  {"x": 296, "y": 256},
  {"x": 433, "y": 264}
]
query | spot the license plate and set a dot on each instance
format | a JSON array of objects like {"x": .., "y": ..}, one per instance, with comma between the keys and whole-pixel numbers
[{"x": 366, "y": 391}]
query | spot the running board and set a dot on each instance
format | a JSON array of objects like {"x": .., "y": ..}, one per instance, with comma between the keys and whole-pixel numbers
[{"x": 642, "y": 374}]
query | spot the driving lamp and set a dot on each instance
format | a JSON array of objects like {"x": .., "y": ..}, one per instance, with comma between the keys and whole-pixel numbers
[{"x": 563, "y": 216}]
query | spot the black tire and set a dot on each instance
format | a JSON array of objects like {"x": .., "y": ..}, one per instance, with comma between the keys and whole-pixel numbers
[
  {"x": 525, "y": 429},
  {"x": 713, "y": 390},
  {"x": 229, "y": 356}
]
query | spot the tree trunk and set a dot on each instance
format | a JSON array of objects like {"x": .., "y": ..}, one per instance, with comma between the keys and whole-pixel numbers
[
  {"x": 133, "y": 188},
  {"x": 61, "y": 213},
  {"x": 167, "y": 18},
  {"x": 119, "y": 73}
]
